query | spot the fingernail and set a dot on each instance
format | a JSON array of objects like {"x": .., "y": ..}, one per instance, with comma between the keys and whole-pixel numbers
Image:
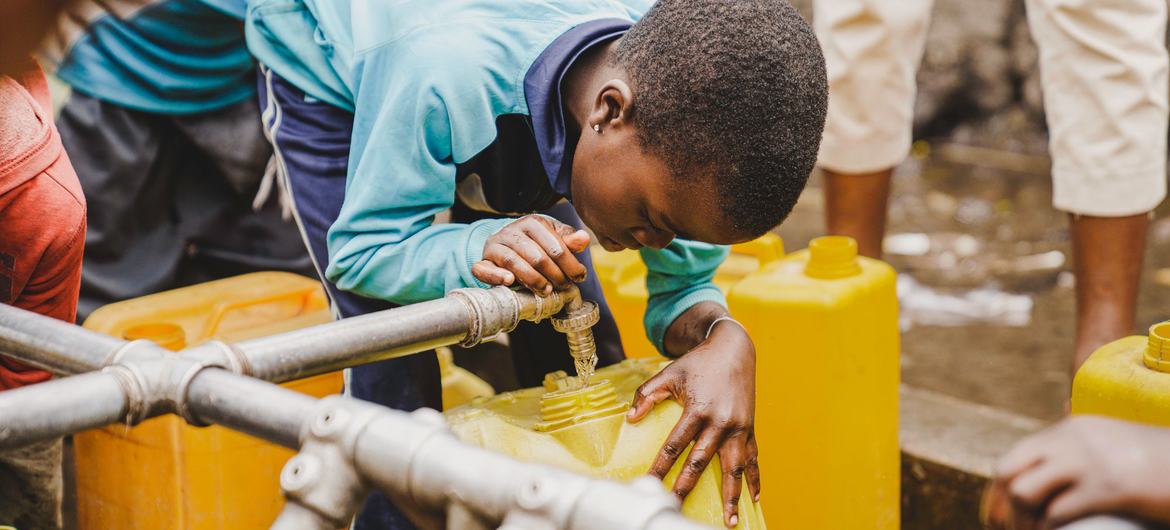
[
  {"x": 734, "y": 520},
  {"x": 757, "y": 498},
  {"x": 630, "y": 414}
]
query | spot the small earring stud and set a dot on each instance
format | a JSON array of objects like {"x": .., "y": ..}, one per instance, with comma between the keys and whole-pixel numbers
[{"x": 597, "y": 128}]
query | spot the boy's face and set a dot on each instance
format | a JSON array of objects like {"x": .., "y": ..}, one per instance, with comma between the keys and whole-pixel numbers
[{"x": 629, "y": 198}]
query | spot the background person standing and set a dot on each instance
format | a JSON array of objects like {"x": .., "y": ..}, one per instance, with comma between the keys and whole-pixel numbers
[
  {"x": 1103, "y": 71},
  {"x": 164, "y": 129}
]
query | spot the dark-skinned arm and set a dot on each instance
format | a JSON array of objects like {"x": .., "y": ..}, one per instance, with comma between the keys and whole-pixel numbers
[{"x": 714, "y": 380}]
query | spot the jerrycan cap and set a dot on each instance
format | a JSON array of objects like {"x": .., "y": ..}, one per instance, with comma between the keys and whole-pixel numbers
[
  {"x": 563, "y": 407},
  {"x": 165, "y": 334},
  {"x": 1157, "y": 355},
  {"x": 832, "y": 257}
]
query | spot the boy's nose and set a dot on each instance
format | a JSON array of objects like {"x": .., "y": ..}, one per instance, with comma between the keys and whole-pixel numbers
[{"x": 652, "y": 238}]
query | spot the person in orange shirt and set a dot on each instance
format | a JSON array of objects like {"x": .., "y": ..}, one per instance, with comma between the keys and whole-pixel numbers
[{"x": 42, "y": 236}]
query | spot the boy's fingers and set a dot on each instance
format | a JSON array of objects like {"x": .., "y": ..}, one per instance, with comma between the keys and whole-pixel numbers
[
  {"x": 733, "y": 460},
  {"x": 558, "y": 251},
  {"x": 487, "y": 272},
  {"x": 752, "y": 469},
  {"x": 1072, "y": 504},
  {"x": 684, "y": 432},
  {"x": 532, "y": 252},
  {"x": 1036, "y": 487},
  {"x": 558, "y": 227},
  {"x": 503, "y": 256},
  {"x": 995, "y": 508},
  {"x": 577, "y": 241},
  {"x": 697, "y": 462},
  {"x": 1024, "y": 456},
  {"x": 651, "y": 393}
]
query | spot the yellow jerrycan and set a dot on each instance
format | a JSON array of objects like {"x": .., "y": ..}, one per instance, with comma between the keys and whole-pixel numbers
[
  {"x": 166, "y": 474},
  {"x": 825, "y": 325},
  {"x": 585, "y": 430},
  {"x": 459, "y": 385},
  {"x": 1127, "y": 379},
  {"x": 623, "y": 280}
]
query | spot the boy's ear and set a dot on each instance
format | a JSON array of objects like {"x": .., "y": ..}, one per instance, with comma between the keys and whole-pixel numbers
[{"x": 613, "y": 106}]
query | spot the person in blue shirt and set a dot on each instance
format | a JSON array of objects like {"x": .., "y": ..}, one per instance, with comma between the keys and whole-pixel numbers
[
  {"x": 164, "y": 130},
  {"x": 673, "y": 128}
]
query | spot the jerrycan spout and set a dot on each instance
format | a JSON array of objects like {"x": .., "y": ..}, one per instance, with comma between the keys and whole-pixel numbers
[
  {"x": 832, "y": 257},
  {"x": 1157, "y": 355}
]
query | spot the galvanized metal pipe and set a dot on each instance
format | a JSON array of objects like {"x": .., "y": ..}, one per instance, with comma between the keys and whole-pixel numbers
[
  {"x": 250, "y": 406},
  {"x": 51, "y": 344},
  {"x": 56, "y": 408},
  {"x": 355, "y": 341},
  {"x": 466, "y": 316}
]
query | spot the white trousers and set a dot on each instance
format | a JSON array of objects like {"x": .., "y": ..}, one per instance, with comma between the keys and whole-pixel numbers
[{"x": 1103, "y": 70}]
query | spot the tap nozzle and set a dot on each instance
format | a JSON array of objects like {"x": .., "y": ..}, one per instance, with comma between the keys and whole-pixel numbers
[{"x": 576, "y": 321}]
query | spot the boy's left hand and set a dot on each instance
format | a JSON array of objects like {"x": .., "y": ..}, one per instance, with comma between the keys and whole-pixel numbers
[{"x": 715, "y": 383}]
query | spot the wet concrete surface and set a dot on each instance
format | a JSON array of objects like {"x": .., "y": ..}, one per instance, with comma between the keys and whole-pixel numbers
[{"x": 1004, "y": 200}]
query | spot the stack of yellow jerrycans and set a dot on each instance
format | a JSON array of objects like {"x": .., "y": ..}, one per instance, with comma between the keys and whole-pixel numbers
[
  {"x": 826, "y": 331},
  {"x": 1128, "y": 379},
  {"x": 164, "y": 474}
]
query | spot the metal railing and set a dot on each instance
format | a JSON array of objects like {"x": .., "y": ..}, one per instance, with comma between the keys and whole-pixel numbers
[{"x": 346, "y": 446}]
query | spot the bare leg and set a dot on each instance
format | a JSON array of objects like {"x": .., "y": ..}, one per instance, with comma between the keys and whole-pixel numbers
[
  {"x": 855, "y": 206},
  {"x": 1107, "y": 260}
]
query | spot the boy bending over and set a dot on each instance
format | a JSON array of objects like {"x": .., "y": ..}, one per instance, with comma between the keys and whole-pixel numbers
[{"x": 672, "y": 129}]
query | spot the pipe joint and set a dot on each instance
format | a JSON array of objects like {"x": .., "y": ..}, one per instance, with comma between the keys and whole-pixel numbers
[
  {"x": 489, "y": 312},
  {"x": 135, "y": 351},
  {"x": 157, "y": 386},
  {"x": 323, "y": 477},
  {"x": 538, "y": 308},
  {"x": 542, "y": 502},
  {"x": 132, "y": 383},
  {"x": 219, "y": 354}
]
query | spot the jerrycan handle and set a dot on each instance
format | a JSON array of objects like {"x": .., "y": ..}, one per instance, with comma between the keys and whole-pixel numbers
[
  {"x": 766, "y": 248},
  {"x": 223, "y": 308}
]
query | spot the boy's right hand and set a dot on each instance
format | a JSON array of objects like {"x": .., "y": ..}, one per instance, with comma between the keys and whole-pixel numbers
[
  {"x": 1086, "y": 465},
  {"x": 537, "y": 250}
]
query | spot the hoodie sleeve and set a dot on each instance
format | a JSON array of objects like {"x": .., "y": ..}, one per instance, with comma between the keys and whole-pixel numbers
[
  {"x": 384, "y": 243},
  {"x": 678, "y": 277}
]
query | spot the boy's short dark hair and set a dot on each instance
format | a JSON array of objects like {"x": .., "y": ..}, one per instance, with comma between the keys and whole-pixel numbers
[{"x": 735, "y": 89}]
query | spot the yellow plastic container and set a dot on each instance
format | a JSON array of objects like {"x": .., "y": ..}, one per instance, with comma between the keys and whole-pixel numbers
[
  {"x": 623, "y": 280},
  {"x": 1128, "y": 379},
  {"x": 585, "y": 430},
  {"x": 825, "y": 325},
  {"x": 164, "y": 474},
  {"x": 459, "y": 385}
]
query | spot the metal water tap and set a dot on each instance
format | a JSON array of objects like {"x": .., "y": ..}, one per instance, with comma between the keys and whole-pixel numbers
[{"x": 576, "y": 321}]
